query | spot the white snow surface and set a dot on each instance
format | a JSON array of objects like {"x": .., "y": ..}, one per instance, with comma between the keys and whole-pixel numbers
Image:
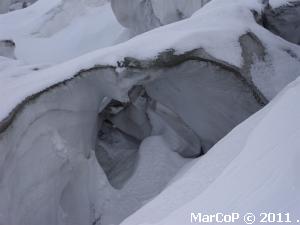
[
  {"x": 59, "y": 30},
  {"x": 278, "y": 3},
  {"x": 253, "y": 169},
  {"x": 226, "y": 19},
  {"x": 157, "y": 164}
]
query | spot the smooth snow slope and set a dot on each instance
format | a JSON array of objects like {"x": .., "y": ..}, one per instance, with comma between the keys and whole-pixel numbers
[
  {"x": 226, "y": 19},
  {"x": 59, "y": 30},
  {"x": 253, "y": 169}
]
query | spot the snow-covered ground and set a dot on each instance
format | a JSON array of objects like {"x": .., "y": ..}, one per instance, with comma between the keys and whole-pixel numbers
[
  {"x": 59, "y": 30},
  {"x": 104, "y": 105}
]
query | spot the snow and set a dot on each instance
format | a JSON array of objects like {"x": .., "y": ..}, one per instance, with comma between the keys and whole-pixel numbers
[
  {"x": 50, "y": 172},
  {"x": 95, "y": 33},
  {"x": 277, "y": 3},
  {"x": 253, "y": 169},
  {"x": 156, "y": 157},
  {"x": 64, "y": 184},
  {"x": 183, "y": 36},
  {"x": 50, "y": 34}
]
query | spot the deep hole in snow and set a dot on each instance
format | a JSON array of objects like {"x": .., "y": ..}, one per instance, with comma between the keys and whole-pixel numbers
[
  {"x": 140, "y": 145},
  {"x": 123, "y": 127}
]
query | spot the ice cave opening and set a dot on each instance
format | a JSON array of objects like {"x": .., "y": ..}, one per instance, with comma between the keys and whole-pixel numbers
[
  {"x": 124, "y": 126},
  {"x": 141, "y": 124},
  {"x": 167, "y": 120}
]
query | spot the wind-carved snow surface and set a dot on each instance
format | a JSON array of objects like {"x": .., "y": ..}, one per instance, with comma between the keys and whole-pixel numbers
[{"x": 95, "y": 138}]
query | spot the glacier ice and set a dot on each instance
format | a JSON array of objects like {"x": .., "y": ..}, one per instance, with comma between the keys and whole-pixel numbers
[
  {"x": 10, "y": 5},
  {"x": 140, "y": 16},
  {"x": 284, "y": 21},
  {"x": 50, "y": 155},
  {"x": 210, "y": 99},
  {"x": 59, "y": 131},
  {"x": 115, "y": 132},
  {"x": 242, "y": 173},
  {"x": 54, "y": 161},
  {"x": 7, "y": 49}
]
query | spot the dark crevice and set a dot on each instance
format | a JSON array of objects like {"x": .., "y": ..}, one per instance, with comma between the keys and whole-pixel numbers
[{"x": 117, "y": 145}]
